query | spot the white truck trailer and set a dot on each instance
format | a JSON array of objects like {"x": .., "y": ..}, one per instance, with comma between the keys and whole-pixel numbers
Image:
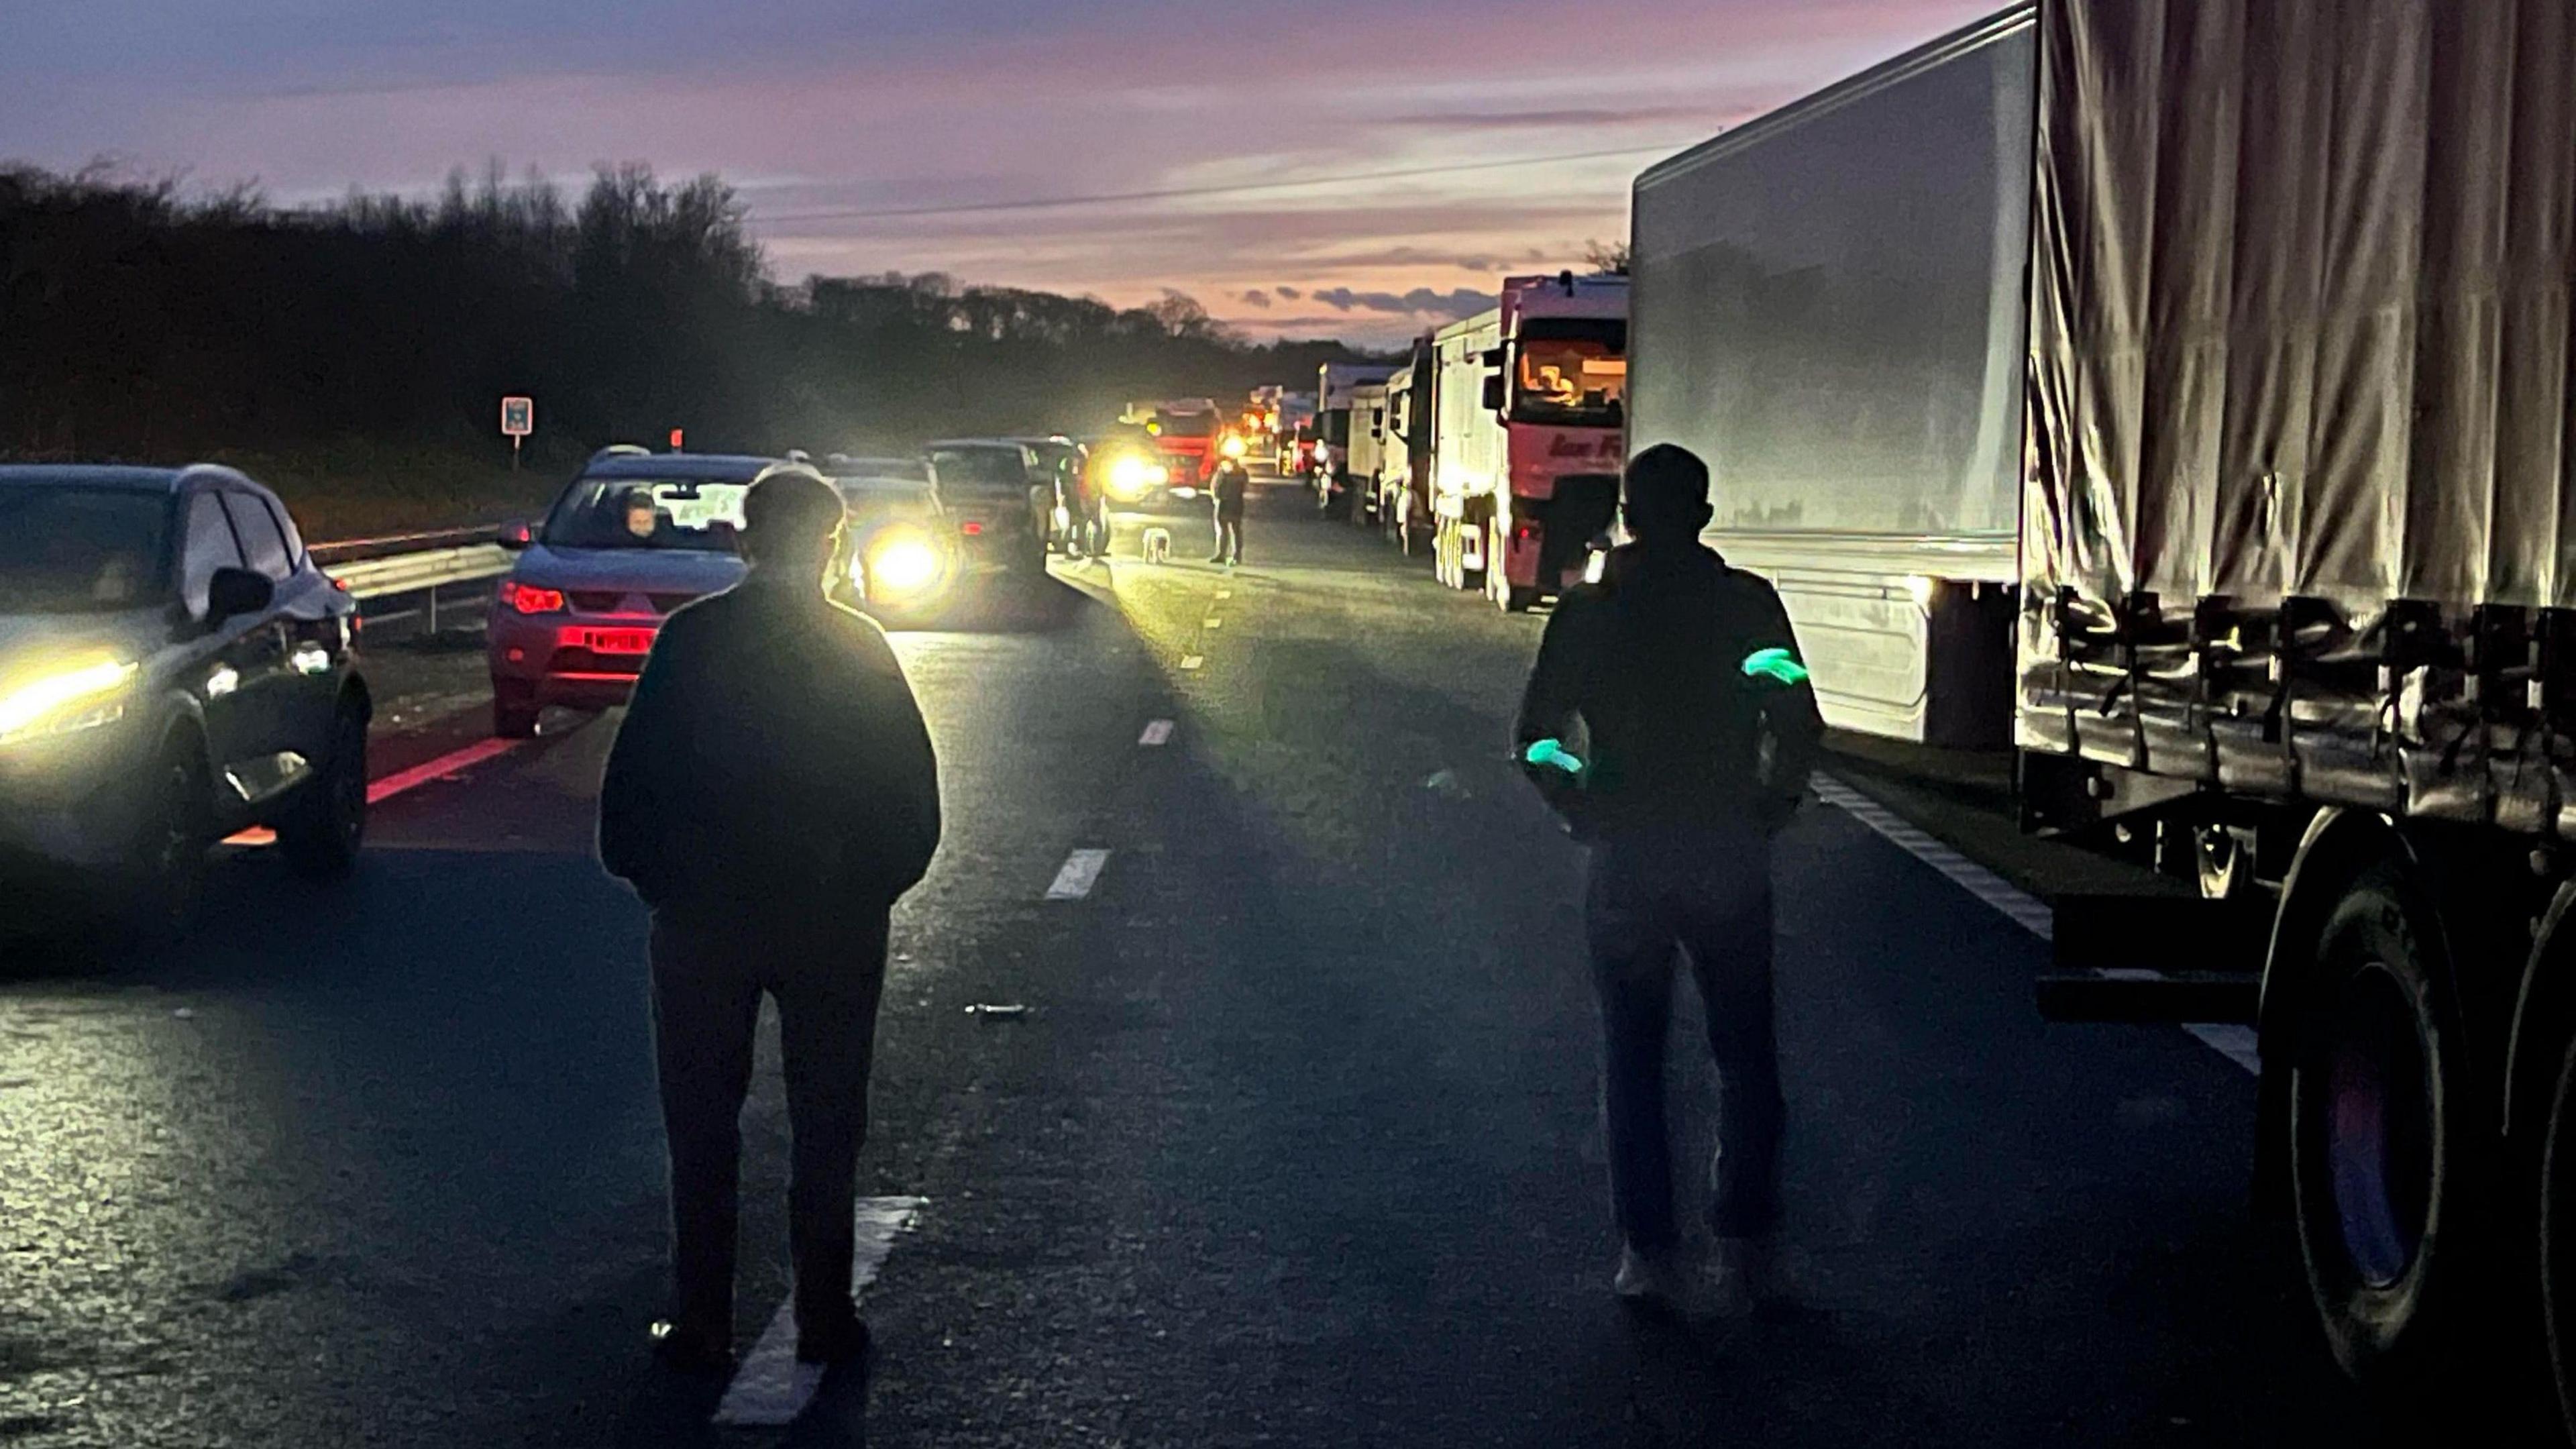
[{"x": 2187, "y": 388}]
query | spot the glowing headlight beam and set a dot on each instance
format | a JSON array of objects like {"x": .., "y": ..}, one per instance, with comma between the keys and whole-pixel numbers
[
  {"x": 902, "y": 567},
  {"x": 24, "y": 706},
  {"x": 1235, "y": 447}
]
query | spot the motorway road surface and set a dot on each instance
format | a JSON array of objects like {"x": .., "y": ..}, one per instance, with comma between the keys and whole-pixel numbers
[{"x": 1294, "y": 1141}]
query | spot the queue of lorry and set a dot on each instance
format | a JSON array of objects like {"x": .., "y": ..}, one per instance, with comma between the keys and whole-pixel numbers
[
  {"x": 1495, "y": 445},
  {"x": 2179, "y": 397}
]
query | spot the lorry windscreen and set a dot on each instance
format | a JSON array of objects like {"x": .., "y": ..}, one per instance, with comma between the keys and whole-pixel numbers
[{"x": 1571, "y": 380}]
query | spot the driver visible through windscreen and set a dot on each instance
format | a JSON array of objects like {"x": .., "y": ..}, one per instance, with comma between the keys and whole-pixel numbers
[
  {"x": 609, "y": 513},
  {"x": 81, "y": 550}
]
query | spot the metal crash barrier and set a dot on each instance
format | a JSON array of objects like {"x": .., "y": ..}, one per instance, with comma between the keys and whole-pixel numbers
[{"x": 402, "y": 577}]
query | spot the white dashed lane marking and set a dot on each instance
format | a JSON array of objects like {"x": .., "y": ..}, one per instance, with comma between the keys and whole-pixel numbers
[
  {"x": 1192, "y": 661},
  {"x": 1157, "y": 732},
  {"x": 1080, "y": 873},
  {"x": 771, "y": 1387},
  {"x": 1211, "y": 622},
  {"x": 2232, "y": 1041}
]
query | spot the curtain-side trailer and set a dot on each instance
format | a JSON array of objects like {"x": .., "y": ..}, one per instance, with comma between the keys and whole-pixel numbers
[{"x": 2234, "y": 343}]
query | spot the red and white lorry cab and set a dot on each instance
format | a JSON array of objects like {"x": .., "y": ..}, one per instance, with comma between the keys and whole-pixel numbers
[{"x": 1529, "y": 419}]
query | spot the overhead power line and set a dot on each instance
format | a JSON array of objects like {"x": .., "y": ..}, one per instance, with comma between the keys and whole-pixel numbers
[{"x": 861, "y": 213}]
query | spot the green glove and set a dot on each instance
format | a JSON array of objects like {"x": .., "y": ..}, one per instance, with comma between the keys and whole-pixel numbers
[
  {"x": 1775, "y": 664},
  {"x": 1548, "y": 754}
]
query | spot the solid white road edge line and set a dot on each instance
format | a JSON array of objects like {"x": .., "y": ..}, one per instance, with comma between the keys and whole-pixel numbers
[
  {"x": 1080, "y": 873},
  {"x": 2228, "y": 1039},
  {"x": 771, "y": 1387},
  {"x": 1157, "y": 732}
]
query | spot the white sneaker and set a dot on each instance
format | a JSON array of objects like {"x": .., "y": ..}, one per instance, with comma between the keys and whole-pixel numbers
[
  {"x": 1649, "y": 1278},
  {"x": 1743, "y": 1277}
]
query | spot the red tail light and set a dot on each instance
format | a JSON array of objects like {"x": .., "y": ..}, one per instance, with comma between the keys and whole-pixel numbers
[
  {"x": 1524, "y": 533},
  {"x": 528, "y": 600},
  {"x": 971, "y": 528},
  {"x": 341, "y": 584}
]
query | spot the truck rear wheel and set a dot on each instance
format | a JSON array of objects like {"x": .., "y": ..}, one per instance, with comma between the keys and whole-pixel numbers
[
  {"x": 2557, "y": 1237},
  {"x": 2385, "y": 1157}
]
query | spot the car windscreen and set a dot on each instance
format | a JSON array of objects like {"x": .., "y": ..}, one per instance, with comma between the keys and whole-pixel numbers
[
  {"x": 877, "y": 498},
  {"x": 980, "y": 470},
  {"x": 678, "y": 513},
  {"x": 82, "y": 550},
  {"x": 915, "y": 469}
]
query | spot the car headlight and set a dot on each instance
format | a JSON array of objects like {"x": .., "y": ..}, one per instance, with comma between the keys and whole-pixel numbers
[
  {"x": 1131, "y": 477},
  {"x": 1235, "y": 447},
  {"x": 902, "y": 567},
  {"x": 63, "y": 700}
]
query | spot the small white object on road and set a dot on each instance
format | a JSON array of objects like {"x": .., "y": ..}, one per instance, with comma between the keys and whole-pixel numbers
[
  {"x": 1157, "y": 732},
  {"x": 1223, "y": 594},
  {"x": 1211, "y": 622},
  {"x": 771, "y": 1387},
  {"x": 1080, "y": 873},
  {"x": 1192, "y": 661}
]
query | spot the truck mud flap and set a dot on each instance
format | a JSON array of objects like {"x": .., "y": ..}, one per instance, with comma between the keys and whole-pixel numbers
[{"x": 2154, "y": 959}]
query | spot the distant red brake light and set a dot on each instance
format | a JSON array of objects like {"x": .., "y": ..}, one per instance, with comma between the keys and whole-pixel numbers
[{"x": 971, "y": 528}]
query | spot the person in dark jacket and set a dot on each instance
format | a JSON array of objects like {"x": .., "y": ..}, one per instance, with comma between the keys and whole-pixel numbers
[
  {"x": 1669, "y": 722},
  {"x": 1230, "y": 486},
  {"x": 770, "y": 795}
]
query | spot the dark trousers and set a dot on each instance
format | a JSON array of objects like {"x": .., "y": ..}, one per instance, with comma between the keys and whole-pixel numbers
[
  {"x": 1229, "y": 532},
  {"x": 826, "y": 968},
  {"x": 1653, "y": 899}
]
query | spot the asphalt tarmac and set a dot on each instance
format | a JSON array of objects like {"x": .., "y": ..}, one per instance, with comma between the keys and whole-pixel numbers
[{"x": 1236, "y": 1086}]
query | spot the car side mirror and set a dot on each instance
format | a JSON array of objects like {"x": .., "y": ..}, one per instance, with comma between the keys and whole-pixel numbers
[
  {"x": 232, "y": 593},
  {"x": 1494, "y": 393},
  {"x": 518, "y": 536}
]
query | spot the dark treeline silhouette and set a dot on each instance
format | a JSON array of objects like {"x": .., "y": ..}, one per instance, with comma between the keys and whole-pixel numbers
[{"x": 137, "y": 322}]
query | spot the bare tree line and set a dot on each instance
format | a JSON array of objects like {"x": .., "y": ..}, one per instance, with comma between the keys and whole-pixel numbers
[{"x": 139, "y": 322}]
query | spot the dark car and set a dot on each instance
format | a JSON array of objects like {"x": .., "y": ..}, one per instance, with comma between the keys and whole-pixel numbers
[
  {"x": 173, "y": 669},
  {"x": 900, "y": 556},
  {"x": 1000, "y": 497},
  {"x": 636, "y": 536},
  {"x": 1060, "y": 461}
]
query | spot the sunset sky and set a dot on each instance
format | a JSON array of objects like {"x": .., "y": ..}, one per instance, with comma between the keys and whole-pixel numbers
[{"x": 831, "y": 118}]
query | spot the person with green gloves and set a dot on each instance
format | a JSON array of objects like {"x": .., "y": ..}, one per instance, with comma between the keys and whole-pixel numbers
[{"x": 1697, "y": 727}]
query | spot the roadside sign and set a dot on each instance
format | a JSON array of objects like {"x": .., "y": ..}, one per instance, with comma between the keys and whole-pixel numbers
[{"x": 518, "y": 416}]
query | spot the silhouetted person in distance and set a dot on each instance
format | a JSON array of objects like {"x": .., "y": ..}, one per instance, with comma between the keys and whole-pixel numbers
[
  {"x": 770, "y": 795},
  {"x": 1230, "y": 486},
  {"x": 1691, "y": 758}
]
